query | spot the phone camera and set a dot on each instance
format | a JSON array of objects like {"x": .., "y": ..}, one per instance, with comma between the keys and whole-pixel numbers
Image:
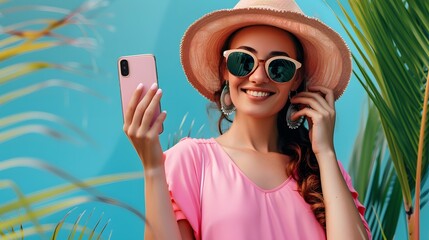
[{"x": 125, "y": 70}]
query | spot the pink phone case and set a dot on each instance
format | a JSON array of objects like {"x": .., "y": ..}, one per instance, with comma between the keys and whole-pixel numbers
[{"x": 133, "y": 70}]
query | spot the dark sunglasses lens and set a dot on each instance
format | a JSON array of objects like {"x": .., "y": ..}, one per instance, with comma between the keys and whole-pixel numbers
[
  {"x": 281, "y": 70},
  {"x": 240, "y": 64}
]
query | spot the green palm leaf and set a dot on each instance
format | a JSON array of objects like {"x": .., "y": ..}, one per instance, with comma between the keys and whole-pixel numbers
[
  {"x": 24, "y": 38},
  {"x": 30, "y": 116},
  {"x": 77, "y": 229},
  {"x": 181, "y": 132},
  {"x": 16, "y": 71},
  {"x": 33, "y": 206},
  {"x": 374, "y": 177},
  {"x": 392, "y": 39},
  {"x": 48, "y": 83}
]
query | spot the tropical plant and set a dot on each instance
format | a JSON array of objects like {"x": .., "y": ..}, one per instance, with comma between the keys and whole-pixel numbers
[
  {"x": 374, "y": 177},
  {"x": 21, "y": 217},
  {"x": 181, "y": 132},
  {"x": 28, "y": 37},
  {"x": 47, "y": 201},
  {"x": 392, "y": 41}
]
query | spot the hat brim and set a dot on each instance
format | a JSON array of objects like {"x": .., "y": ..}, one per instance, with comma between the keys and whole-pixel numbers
[{"x": 327, "y": 59}]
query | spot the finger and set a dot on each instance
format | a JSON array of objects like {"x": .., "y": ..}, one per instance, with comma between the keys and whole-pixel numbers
[
  {"x": 329, "y": 94},
  {"x": 317, "y": 97},
  {"x": 310, "y": 123},
  {"x": 131, "y": 108},
  {"x": 151, "y": 110},
  {"x": 309, "y": 113},
  {"x": 315, "y": 117},
  {"x": 309, "y": 101},
  {"x": 157, "y": 124},
  {"x": 143, "y": 105}
]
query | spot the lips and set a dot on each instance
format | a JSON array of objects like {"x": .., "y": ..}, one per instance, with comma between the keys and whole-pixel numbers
[{"x": 257, "y": 93}]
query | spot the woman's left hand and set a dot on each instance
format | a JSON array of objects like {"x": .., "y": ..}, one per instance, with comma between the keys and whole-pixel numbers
[{"x": 320, "y": 114}]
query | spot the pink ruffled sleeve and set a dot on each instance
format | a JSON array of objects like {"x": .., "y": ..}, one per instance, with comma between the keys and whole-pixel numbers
[
  {"x": 355, "y": 195},
  {"x": 183, "y": 173}
]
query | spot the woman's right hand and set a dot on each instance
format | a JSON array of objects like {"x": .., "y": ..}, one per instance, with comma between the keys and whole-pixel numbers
[{"x": 137, "y": 126}]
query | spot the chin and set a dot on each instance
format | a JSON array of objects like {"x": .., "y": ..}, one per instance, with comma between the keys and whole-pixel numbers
[{"x": 259, "y": 114}]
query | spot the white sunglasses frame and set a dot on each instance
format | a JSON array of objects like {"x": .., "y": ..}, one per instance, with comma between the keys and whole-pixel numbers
[{"x": 267, "y": 62}]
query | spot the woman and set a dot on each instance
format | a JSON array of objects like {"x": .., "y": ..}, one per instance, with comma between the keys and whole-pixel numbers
[{"x": 267, "y": 176}]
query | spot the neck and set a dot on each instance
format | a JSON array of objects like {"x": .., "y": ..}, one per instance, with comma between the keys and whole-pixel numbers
[{"x": 259, "y": 134}]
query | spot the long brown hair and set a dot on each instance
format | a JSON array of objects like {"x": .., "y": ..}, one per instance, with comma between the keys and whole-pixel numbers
[{"x": 303, "y": 166}]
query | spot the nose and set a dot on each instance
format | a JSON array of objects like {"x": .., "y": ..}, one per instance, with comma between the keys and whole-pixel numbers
[{"x": 259, "y": 76}]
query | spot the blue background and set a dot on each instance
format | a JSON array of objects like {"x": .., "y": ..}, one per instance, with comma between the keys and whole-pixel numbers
[{"x": 139, "y": 27}]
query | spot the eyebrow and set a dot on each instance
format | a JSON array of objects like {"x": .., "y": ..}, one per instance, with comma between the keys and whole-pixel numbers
[{"x": 273, "y": 53}]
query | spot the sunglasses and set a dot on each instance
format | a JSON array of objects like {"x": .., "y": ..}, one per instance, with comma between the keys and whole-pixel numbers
[{"x": 242, "y": 63}]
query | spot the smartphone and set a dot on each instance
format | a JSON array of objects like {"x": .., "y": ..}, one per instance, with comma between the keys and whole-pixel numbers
[{"x": 133, "y": 70}]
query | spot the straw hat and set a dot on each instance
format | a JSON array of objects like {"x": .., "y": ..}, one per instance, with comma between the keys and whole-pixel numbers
[{"x": 327, "y": 59}]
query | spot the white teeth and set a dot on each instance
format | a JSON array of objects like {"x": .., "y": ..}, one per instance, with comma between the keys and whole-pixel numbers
[{"x": 257, "y": 94}]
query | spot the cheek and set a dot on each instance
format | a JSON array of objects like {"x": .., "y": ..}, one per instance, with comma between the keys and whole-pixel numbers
[
  {"x": 284, "y": 98},
  {"x": 233, "y": 90},
  {"x": 234, "y": 82},
  {"x": 282, "y": 102}
]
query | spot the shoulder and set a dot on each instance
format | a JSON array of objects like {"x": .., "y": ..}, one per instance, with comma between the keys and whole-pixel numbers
[
  {"x": 188, "y": 146},
  {"x": 187, "y": 153}
]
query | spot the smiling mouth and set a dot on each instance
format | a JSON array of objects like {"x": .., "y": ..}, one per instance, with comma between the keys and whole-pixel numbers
[{"x": 257, "y": 93}]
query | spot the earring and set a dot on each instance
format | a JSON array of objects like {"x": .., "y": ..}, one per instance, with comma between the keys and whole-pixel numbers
[
  {"x": 227, "y": 107},
  {"x": 293, "y": 108}
]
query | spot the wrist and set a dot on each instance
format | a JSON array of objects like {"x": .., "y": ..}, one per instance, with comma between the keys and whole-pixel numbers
[
  {"x": 327, "y": 155},
  {"x": 154, "y": 172}
]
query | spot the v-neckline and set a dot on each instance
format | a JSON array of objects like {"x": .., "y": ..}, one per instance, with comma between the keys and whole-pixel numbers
[{"x": 245, "y": 177}]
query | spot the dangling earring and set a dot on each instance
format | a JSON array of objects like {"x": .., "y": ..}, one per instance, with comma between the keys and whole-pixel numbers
[
  {"x": 227, "y": 107},
  {"x": 293, "y": 108}
]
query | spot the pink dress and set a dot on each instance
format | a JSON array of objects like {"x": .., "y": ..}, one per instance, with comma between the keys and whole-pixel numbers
[{"x": 220, "y": 202}]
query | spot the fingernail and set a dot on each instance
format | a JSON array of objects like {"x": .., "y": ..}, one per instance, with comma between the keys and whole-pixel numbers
[
  {"x": 140, "y": 86},
  {"x": 154, "y": 86},
  {"x": 159, "y": 91}
]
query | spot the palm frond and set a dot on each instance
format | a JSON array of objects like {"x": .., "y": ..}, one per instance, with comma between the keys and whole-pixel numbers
[
  {"x": 392, "y": 40},
  {"x": 374, "y": 177},
  {"x": 46, "y": 84},
  {"x": 181, "y": 133},
  {"x": 416, "y": 215},
  {"x": 78, "y": 229},
  {"x": 397, "y": 64},
  {"x": 59, "y": 225},
  {"x": 73, "y": 185},
  {"x": 9, "y": 40},
  {"x": 46, "y": 202},
  {"x": 13, "y": 234},
  {"x": 15, "y": 71},
  {"x": 71, "y": 17},
  {"x": 26, "y": 48},
  {"x": 34, "y": 128},
  {"x": 23, "y": 203},
  {"x": 31, "y": 116},
  {"x": 25, "y": 38}
]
